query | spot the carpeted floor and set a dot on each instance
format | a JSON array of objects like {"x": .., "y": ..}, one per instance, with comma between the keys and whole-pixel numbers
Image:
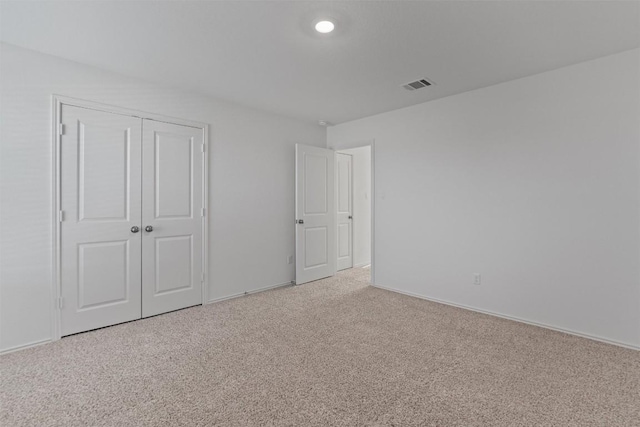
[{"x": 333, "y": 352}]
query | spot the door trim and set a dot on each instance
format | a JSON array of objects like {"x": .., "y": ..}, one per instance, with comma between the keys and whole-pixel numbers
[{"x": 57, "y": 101}]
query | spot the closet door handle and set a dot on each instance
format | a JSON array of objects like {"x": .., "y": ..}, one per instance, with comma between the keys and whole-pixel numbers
[
  {"x": 148, "y": 229},
  {"x": 135, "y": 229}
]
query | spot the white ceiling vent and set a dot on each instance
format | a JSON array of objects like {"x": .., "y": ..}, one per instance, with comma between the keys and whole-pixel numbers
[{"x": 418, "y": 84}]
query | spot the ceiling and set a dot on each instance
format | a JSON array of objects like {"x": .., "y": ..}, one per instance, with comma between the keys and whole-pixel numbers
[{"x": 266, "y": 54}]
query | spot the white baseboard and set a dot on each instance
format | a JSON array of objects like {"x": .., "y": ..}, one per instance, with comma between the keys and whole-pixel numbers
[
  {"x": 516, "y": 319},
  {"x": 440, "y": 301},
  {"x": 254, "y": 291},
  {"x": 24, "y": 346},
  {"x": 364, "y": 264}
]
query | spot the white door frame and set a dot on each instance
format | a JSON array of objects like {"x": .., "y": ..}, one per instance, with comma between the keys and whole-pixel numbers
[
  {"x": 57, "y": 102},
  {"x": 339, "y": 146}
]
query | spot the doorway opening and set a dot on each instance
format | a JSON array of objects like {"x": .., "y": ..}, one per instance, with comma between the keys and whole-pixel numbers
[
  {"x": 335, "y": 212},
  {"x": 354, "y": 212}
]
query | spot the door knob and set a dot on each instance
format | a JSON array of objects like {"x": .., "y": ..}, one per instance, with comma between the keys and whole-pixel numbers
[
  {"x": 350, "y": 217},
  {"x": 135, "y": 229},
  {"x": 300, "y": 221},
  {"x": 148, "y": 229}
]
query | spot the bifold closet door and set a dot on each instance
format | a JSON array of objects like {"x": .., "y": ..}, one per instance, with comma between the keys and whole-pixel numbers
[
  {"x": 172, "y": 217},
  {"x": 100, "y": 245}
]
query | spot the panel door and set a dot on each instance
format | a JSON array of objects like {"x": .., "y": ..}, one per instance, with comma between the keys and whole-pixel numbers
[
  {"x": 315, "y": 214},
  {"x": 344, "y": 204},
  {"x": 100, "y": 253},
  {"x": 172, "y": 217}
]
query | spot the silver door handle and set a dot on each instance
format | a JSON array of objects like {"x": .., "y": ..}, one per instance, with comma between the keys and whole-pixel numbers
[
  {"x": 135, "y": 229},
  {"x": 300, "y": 221},
  {"x": 148, "y": 229},
  {"x": 350, "y": 217}
]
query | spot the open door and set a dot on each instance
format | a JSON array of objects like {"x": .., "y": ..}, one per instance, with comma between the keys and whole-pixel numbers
[
  {"x": 315, "y": 214},
  {"x": 344, "y": 206}
]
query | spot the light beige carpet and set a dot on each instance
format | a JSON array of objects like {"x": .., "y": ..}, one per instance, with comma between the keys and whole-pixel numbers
[{"x": 333, "y": 352}]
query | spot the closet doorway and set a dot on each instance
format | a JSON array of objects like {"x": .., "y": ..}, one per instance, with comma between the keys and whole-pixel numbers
[{"x": 131, "y": 209}]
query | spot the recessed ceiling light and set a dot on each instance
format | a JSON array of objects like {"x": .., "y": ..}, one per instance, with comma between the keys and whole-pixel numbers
[{"x": 324, "y": 27}]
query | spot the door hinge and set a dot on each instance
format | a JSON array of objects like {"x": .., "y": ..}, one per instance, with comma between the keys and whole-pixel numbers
[
  {"x": 204, "y": 147},
  {"x": 204, "y": 212},
  {"x": 61, "y": 303},
  {"x": 61, "y": 129},
  {"x": 202, "y": 277},
  {"x": 60, "y": 216}
]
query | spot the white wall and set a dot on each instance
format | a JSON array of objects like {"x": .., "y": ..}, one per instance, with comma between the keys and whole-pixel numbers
[
  {"x": 251, "y": 183},
  {"x": 534, "y": 183},
  {"x": 361, "y": 164}
]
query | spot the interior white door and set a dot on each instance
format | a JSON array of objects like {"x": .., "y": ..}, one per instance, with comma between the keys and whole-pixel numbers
[
  {"x": 315, "y": 214},
  {"x": 100, "y": 239},
  {"x": 344, "y": 217},
  {"x": 172, "y": 217}
]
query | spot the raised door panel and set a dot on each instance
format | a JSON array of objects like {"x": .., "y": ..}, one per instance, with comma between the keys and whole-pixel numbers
[
  {"x": 174, "y": 264},
  {"x": 315, "y": 184},
  {"x": 344, "y": 247},
  {"x": 344, "y": 183},
  {"x": 316, "y": 247},
  {"x": 173, "y": 163},
  {"x": 103, "y": 274},
  {"x": 103, "y": 171}
]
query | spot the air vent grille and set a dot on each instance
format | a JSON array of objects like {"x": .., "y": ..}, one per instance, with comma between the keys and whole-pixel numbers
[{"x": 418, "y": 84}]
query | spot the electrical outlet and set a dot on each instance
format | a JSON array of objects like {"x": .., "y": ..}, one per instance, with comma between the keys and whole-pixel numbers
[
  {"x": 477, "y": 279},
  {"x": 290, "y": 259}
]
